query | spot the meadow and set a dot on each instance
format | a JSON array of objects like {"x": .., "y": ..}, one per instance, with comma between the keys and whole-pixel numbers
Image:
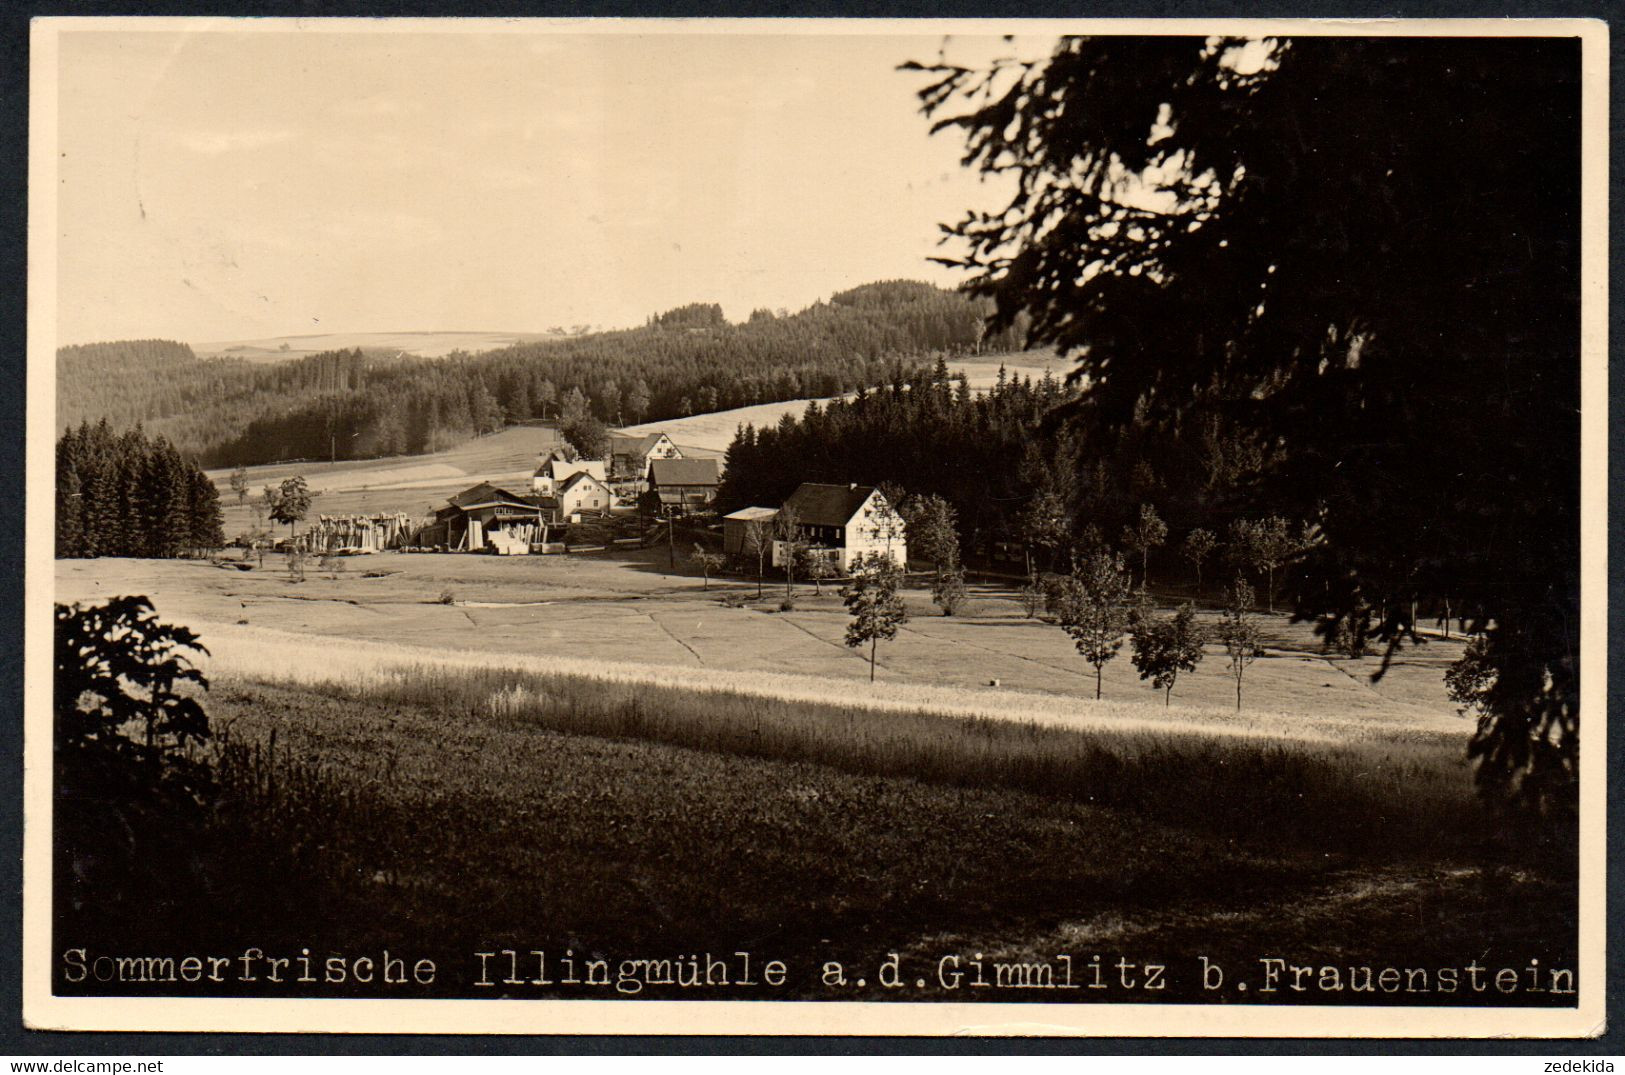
[
  {"x": 447, "y": 809},
  {"x": 428, "y": 785},
  {"x": 453, "y": 754}
]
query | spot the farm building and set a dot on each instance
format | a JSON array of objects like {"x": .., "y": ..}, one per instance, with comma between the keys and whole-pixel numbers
[
  {"x": 630, "y": 456},
  {"x": 557, "y": 468},
  {"x": 684, "y": 484},
  {"x": 847, "y": 522},
  {"x": 473, "y": 516},
  {"x": 734, "y": 528}
]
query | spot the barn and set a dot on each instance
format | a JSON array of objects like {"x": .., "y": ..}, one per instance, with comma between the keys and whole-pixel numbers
[
  {"x": 685, "y": 485},
  {"x": 488, "y": 516}
]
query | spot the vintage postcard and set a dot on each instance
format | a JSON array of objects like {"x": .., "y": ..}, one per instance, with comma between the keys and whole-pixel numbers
[{"x": 817, "y": 527}]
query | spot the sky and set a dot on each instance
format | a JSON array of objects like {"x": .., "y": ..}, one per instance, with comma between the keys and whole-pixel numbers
[{"x": 226, "y": 184}]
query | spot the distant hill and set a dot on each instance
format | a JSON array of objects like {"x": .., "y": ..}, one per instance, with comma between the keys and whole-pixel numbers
[
  {"x": 413, "y": 344},
  {"x": 366, "y": 401}
]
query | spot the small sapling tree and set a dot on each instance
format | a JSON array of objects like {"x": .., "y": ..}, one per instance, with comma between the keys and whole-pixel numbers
[
  {"x": 1165, "y": 646},
  {"x": 758, "y": 542},
  {"x": 239, "y": 485},
  {"x": 1238, "y": 633},
  {"x": 292, "y": 502},
  {"x": 817, "y": 566},
  {"x": 707, "y": 562},
  {"x": 1263, "y": 545},
  {"x": 1032, "y": 598},
  {"x": 1147, "y": 534},
  {"x": 948, "y": 589},
  {"x": 1045, "y": 523},
  {"x": 1199, "y": 545},
  {"x": 791, "y": 539},
  {"x": 1093, "y": 608},
  {"x": 933, "y": 532},
  {"x": 877, "y": 608}
]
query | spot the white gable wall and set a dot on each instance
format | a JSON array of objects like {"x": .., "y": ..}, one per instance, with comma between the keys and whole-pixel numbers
[{"x": 874, "y": 528}]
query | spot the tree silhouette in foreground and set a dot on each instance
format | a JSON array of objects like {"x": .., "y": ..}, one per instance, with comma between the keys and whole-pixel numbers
[{"x": 1271, "y": 232}]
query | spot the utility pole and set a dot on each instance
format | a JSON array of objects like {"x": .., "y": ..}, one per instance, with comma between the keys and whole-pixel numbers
[{"x": 671, "y": 538}]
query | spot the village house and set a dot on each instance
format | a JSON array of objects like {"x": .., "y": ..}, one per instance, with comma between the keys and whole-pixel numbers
[
  {"x": 581, "y": 492},
  {"x": 557, "y": 468},
  {"x": 630, "y": 455},
  {"x": 684, "y": 485},
  {"x": 844, "y": 522}
]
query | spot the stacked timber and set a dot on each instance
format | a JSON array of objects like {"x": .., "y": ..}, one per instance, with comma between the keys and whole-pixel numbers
[{"x": 372, "y": 533}]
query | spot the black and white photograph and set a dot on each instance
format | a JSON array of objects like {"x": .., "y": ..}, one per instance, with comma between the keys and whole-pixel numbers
[{"x": 853, "y": 526}]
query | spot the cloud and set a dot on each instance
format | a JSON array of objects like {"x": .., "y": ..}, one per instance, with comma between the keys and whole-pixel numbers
[{"x": 214, "y": 143}]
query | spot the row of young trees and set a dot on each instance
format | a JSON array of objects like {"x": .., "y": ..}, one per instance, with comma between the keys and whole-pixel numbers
[
  {"x": 1098, "y": 607},
  {"x": 128, "y": 494}
]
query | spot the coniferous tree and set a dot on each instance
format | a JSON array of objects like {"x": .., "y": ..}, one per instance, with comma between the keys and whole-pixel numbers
[
  {"x": 207, "y": 526},
  {"x": 128, "y": 495},
  {"x": 1294, "y": 257}
]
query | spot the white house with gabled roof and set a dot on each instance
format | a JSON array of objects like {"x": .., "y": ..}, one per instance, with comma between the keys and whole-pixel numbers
[{"x": 848, "y": 522}]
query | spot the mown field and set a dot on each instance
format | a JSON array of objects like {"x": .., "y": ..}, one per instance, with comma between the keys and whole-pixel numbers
[
  {"x": 443, "y": 786},
  {"x": 633, "y": 608},
  {"x": 417, "y": 484}
]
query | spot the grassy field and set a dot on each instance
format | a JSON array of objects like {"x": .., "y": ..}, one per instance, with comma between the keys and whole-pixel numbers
[
  {"x": 443, "y": 810},
  {"x": 592, "y": 753},
  {"x": 629, "y": 608}
]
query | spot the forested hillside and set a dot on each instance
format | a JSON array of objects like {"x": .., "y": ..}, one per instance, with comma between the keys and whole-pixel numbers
[
  {"x": 353, "y": 405},
  {"x": 1027, "y": 462}
]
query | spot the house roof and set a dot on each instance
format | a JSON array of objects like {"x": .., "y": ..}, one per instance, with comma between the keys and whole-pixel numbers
[
  {"x": 486, "y": 493},
  {"x": 684, "y": 472},
  {"x": 753, "y": 514},
  {"x": 576, "y": 479},
  {"x": 827, "y": 505},
  {"x": 552, "y": 467},
  {"x": 559, "y": 454},
  {"x": 634, "y": 443}
]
